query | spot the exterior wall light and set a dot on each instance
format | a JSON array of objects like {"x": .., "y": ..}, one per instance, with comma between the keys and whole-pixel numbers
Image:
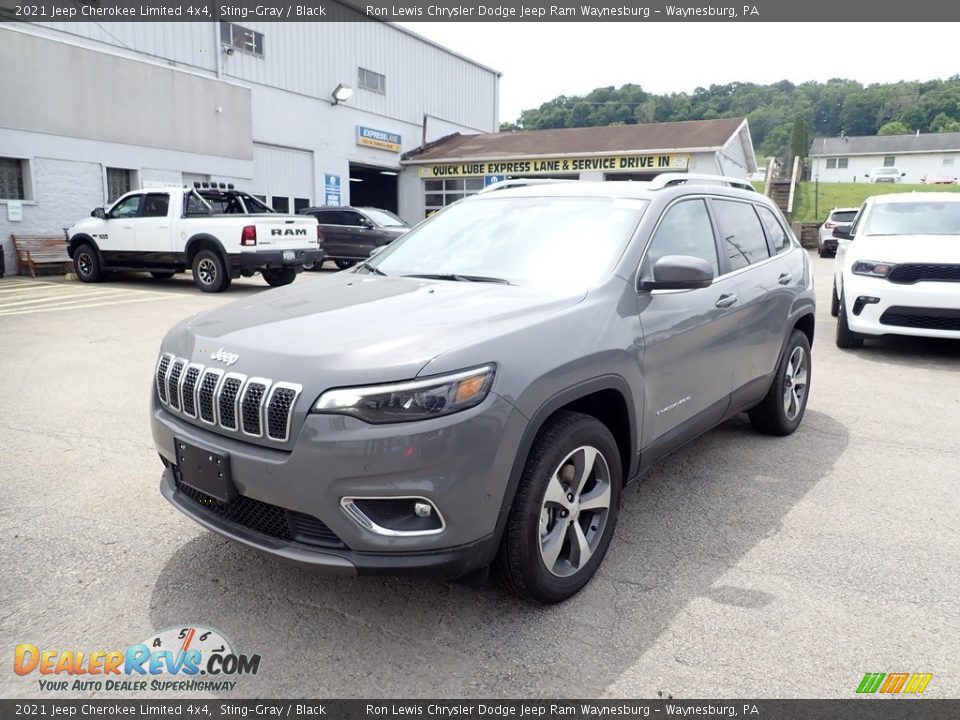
[{"x": 342, "y": 93}]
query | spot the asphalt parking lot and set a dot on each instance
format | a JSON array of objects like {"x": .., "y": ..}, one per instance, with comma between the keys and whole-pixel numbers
[{"x": 744, "y": 566}]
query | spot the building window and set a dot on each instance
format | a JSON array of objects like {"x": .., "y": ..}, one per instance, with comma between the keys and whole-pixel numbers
[
  {"x": 948, "y": 160},
  {"x": 300, "y": 204},
  {"x": 241, "y": 38},
  {"x": 12, "y": 172},
  {"x": 369, "y": 80},
  {"x": 280, "y": 204},
  {"x": 831, "y": 163},
  {"x": 440, "y": 193},
  {"x": 842, "y": 163},
  {"x": 119, "y": 182},
  {"x": 889, "y": 161}
]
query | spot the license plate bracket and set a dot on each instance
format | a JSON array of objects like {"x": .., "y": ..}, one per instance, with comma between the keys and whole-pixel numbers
[
  {"x": 289, "y": 255},
  {"x": 205, "y": 470}
]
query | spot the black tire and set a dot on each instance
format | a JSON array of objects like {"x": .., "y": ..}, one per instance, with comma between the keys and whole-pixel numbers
[
  {"x": 344, "y": 264},
  {"x": 846, "y": 338},
  {"x": 834, "y": 301},
  {"x": 210, "y": 272},
  {"x": 820, "y": 251},
  {"x": 278, "y": 278},
  {"x": 162, "y": 274},
  {"x": 86, "y": 263},
  {"x": 779, "y": 413},
  {"x": 520, "y": 565}
]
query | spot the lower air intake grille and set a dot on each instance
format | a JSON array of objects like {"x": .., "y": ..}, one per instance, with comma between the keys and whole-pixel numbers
[
  {"x": 264, "y": 518},
  {"x": 922, "y": 318}
]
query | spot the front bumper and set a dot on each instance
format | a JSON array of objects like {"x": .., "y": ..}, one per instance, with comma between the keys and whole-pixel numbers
[
  {"x": 274, "y": 259},
  {"x": 922, "y": 303},
  {"x": 461, "y": 464}
]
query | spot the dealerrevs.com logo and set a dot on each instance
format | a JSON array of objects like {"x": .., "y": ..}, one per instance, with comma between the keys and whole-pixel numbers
[{"x": 190, "y": 658}]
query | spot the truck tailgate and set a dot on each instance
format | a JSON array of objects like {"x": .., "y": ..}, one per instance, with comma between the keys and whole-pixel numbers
[{"x": 286, "y": 231}]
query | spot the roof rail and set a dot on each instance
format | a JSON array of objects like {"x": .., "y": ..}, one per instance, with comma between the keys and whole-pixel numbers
[
  {"x": 664, "y": 180},
  {"x": 520, "y": 182}
]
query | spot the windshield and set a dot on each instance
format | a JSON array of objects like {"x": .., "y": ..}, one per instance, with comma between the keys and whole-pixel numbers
[
  {"x": 885, "y": 171},
  {"x": 384, "y": 218},
  {"x": 525, "y": 241},
  {"x": 844, "y": 216},
  {"x": 914, "y": 218}
]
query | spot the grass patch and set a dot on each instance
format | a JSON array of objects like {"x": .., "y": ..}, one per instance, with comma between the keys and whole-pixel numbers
[{"x": 848, "y": 195}]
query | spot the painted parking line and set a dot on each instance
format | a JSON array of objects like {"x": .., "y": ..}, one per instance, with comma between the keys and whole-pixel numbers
[
  {"x": 59, "y": 297},
  {"x": 126, "y": 300}
]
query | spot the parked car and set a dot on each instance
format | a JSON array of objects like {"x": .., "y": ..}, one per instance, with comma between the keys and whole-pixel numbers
[
  {"x": 470, "y": 397},
  {"x": 897, "y": 270},
  {"x": 165, "y": 231},
  {"x": 938, "y": 179},
  {"x": 826, "y": 241},
  {"x": 349, "y": 234},
  {"x": 885, "y": 175}
]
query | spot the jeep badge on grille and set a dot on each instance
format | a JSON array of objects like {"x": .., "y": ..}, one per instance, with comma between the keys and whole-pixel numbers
[{"x": 228, "y": 358}]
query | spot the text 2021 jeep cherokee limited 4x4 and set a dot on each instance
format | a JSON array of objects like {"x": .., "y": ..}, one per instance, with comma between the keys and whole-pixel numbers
[{"x": 477, "y": 394}]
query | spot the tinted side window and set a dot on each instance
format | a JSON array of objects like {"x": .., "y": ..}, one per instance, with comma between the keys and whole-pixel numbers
[
  {"x": 685, "y": 230},
  {"x": 155, "y": 205},
  {"x": 351, "y": 217},
  {"x": 324, "y": 217},
  {"x": 779, "y": 240},
  {"x": 742, "y": 236}
]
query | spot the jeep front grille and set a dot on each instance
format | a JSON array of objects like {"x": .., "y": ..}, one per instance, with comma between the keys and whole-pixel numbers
[{"x": 257, "y": 407}]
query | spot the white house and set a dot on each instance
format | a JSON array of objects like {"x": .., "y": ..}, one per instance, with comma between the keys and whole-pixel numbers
[{"x": 850, "y": 159}]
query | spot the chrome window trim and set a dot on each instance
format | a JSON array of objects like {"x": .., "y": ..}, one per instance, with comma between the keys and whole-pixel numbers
[{"x": 358, "y": 516}]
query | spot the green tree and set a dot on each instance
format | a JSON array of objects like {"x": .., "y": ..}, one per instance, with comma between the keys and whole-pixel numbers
[
  {"x": 799, "y": 140},
  {"x": 893, "y": 128}
]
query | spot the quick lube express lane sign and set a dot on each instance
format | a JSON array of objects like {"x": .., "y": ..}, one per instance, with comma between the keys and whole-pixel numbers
[{"x": 550, "y": 166}]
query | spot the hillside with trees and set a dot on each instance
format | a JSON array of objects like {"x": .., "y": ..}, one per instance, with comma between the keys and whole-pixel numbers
[{"x": 780, "y": 114}]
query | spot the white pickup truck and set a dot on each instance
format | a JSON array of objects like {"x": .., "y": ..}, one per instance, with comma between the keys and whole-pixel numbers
[{"x": 218, "y": 235}]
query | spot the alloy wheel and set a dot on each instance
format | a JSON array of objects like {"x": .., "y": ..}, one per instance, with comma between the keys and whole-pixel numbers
[
  {"x": 795, "y": 383},
  {"x": 207, "y": 271}
]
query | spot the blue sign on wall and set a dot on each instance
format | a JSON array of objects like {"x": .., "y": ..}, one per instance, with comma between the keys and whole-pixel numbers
[
  {"x": 382, "y": 139},
  {"x": 491, "y": 179},
  {"x": 331, "y": 189}
]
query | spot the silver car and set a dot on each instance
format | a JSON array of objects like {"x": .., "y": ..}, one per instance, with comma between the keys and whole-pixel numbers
[{"x": 478, "y": 394}]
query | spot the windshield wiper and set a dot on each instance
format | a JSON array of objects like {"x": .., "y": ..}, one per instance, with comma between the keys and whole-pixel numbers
[
  {"x": 460, "y": 278},
  {"x": 370, "y": 268}
]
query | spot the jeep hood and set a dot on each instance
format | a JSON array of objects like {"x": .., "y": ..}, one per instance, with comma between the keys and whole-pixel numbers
[{"x": 356, "y": 329}]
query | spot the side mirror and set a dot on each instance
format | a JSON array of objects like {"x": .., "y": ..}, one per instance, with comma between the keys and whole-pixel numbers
[
  {"x": 366, "y": 224},
  {"x": 842, "y": 231},
  {"x": 903, "y": 174},
  {"x": 98, "y": 213},
  {"x": 377, "y": 250},
  {"x": 679, "y": 272}
]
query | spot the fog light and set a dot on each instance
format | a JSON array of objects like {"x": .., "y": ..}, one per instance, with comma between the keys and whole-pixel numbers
[
  {"x": 862, "y": 301},
  {"x": 422, "y": 509}
]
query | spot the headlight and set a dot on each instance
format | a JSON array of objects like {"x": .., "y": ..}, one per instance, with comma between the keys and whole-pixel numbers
[
  {"x": 414, "y": 400},
  {"x": 872, "y": 268}
]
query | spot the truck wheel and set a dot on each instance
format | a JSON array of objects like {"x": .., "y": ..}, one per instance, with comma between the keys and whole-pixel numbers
[
  {"x": 278, "y": 278},
  {"x": 344, "y": 264},
  {"x": 846, "y": 338},
  {"x": 209, "y": 272},
  {"x": 564, "y": 512},
  {"x": 86, "y": 263},
  {"x": 782, "y": 408},
  {"x": 162, "y": 274}
]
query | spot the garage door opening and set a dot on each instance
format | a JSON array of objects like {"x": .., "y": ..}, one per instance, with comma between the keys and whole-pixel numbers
[{"x": 373, "y": 187}]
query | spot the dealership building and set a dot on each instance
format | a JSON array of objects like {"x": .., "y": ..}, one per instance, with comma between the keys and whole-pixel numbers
[
  {"x": 300, "y": 114},
  {"x": 460, "y": 165}
]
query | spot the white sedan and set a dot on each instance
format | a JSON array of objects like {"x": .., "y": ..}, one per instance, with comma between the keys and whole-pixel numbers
[{"x": 897, "y": 270}]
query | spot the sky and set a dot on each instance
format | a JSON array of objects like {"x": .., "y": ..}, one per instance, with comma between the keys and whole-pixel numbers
[{"x": 540, "y": 61}]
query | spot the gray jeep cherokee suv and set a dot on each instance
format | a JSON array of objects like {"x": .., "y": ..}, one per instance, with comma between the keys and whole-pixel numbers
[{"x": 477, "y": 394}]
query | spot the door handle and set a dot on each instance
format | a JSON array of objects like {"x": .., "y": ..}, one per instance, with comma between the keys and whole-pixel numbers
[
  {"x": 785, "y": 278},
  {"x": 725, "y": 301}
]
